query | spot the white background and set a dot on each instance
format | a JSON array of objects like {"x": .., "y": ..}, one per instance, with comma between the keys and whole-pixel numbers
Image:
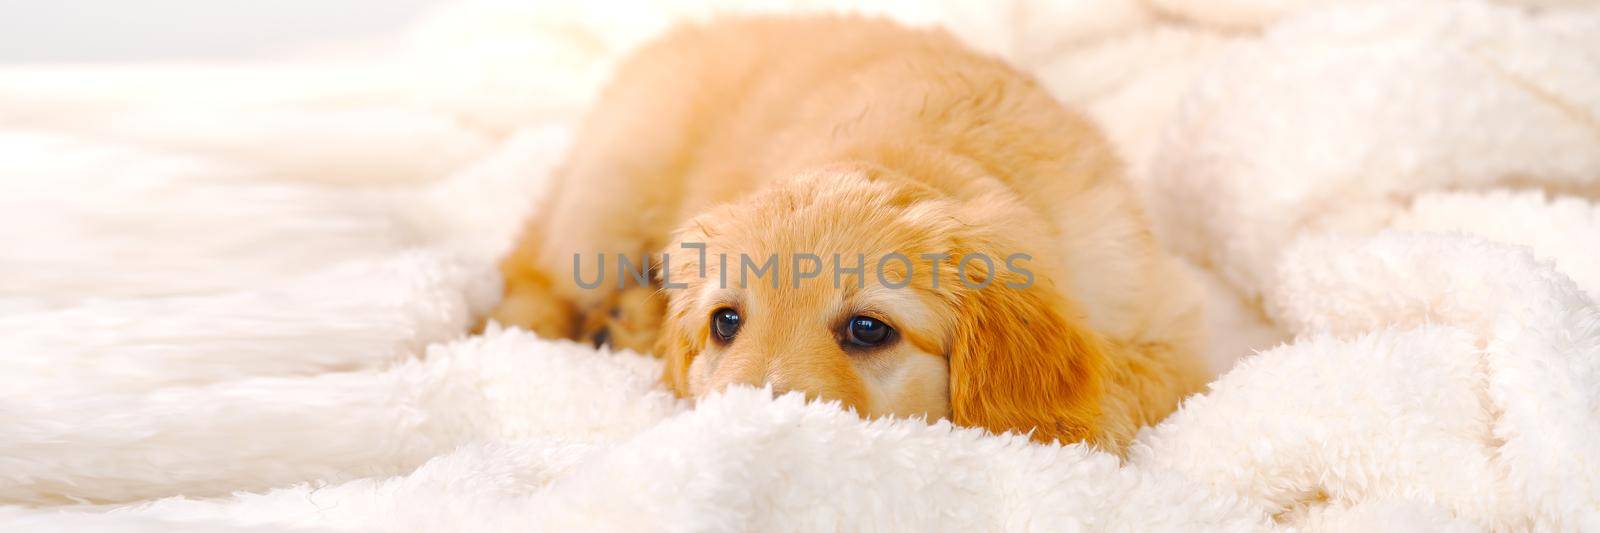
[{"x": 35, "y": 31}]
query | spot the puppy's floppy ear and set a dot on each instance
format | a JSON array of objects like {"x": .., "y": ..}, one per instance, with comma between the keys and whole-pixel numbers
[
  {"x": 678, "y": 347},
  {"x": 1020, "y": 360},
  {"x": 683, "y": 332}
]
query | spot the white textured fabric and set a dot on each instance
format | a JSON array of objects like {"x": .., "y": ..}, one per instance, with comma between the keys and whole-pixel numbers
[{"x": 234, "y": 297}]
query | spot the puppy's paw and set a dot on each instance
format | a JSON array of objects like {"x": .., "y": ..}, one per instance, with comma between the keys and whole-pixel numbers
[
  {"x": 630, "y": 321},
  {"x": 531, "y": 304}
]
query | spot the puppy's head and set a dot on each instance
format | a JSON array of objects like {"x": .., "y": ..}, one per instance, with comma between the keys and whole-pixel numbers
[{"x": 854, "y": 285}]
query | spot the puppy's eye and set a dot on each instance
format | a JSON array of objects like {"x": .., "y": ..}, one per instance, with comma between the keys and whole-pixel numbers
[
  {"x": 725, "y": 324},
  {"x": 867, "y": 332}
]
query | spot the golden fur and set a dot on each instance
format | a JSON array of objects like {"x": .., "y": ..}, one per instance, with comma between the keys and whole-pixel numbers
[{"x": 857, "y": 137}]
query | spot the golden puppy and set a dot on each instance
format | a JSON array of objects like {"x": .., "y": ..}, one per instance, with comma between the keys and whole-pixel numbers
[{"x": 865, "y": 213}]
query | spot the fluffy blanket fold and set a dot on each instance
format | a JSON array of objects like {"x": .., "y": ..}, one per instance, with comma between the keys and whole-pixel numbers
[{"x": 235, "y": 296}]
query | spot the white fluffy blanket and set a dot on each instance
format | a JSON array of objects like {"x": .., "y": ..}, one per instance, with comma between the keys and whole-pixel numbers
[{"x": 233, "y": 297}]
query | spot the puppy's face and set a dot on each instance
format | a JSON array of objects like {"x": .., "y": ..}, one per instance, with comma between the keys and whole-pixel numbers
[
  {"x": 844, "y": 285},
  {"x": 772, "y": 307}
]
